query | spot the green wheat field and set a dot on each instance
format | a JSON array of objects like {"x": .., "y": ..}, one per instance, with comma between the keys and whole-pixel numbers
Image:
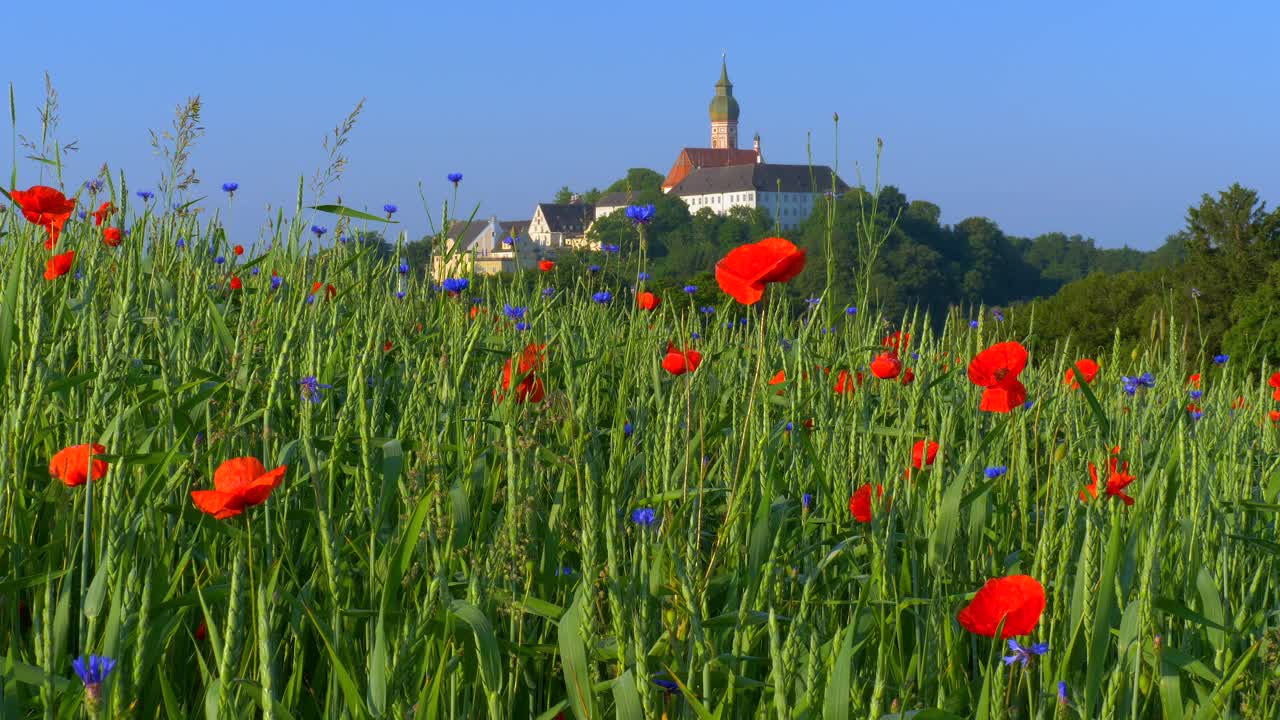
[{"x": 611, "y": 539}]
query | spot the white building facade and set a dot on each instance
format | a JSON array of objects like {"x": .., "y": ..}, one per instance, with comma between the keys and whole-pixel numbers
[{"x": 786, "y": 192}]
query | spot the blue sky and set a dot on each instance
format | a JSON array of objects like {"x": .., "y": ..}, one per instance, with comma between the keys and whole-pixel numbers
[{"x": 1103, "y": 121}]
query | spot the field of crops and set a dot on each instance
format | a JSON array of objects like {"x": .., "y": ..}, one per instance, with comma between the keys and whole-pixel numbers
[{"x": 558, "y": 496}]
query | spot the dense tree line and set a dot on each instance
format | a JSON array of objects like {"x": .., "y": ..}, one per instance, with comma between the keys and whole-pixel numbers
[{"x": 1218, "y": 278}]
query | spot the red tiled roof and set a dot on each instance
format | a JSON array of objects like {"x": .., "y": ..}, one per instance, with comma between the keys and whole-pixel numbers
[{"x": 691, "y": 159}]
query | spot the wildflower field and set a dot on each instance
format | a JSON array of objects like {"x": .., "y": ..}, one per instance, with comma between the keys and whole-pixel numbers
[{"x": 295, "y": 480}]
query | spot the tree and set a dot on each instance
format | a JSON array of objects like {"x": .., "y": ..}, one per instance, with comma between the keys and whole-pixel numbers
[{"x": 638, "y": 180}]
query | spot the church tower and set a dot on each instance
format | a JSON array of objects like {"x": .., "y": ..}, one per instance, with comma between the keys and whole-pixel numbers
[{"x": 724, "y": 113}]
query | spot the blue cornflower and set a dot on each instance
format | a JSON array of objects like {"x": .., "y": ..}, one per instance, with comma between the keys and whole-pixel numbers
[
  {"x": 789, "y": 426},
  {"x": 146, "y": 195},
  {"x": 390, "y": 210},
  {"x": 404, "y": 267},
  {"x": 319, "y": 230},
  {"x": 455, "y": 285},
  {"x": 915, "y": 356},
  {"x": 1062, "y": 692},
  {"x": 1024, "y": 654},
  {"x": 642, "y": 276},
  {"x": 311, "y": 388},
  {"x": 627, "y": 429},
  {"x": 344, "y": 239},
  {"x": 508, "y": 241},
  {"x": 707, "y": 309},
  {"x": 455, "y": 178},
  {"x": 513, "y": 312},
  {"x": 400, "y": 294},
  {"x": 311, "y": 300},
  {"x": 548, "y": 292},
  {"x": 1221, "y": 359},
  {"x": 1196, "y": 414},
  {"x": 813, "y": 300},
  {"x": 785, "y": 343},
  {"x": 593, "y": 269},
  {"x": 742, "y": 321},
  {"x": 181, "y": 243},
  {"x": 1146, "y": 379},
  {"x": 644, "y": 517},
  {"x": 522, "y": 326},
  {"x": 995, "y": 471},
  {"x": 995, "y": 313},
  {"x": 218, "y": 260},
  {"x": 1130, "y": 384},
  {"x": 851, "y": 310},
  {"x": 1195, "y": 394},
  {"x": 255, "y": 270},
  {"x": 611, "y": 249},
  {"x": 691, "y": 289},
  {"x": 93, "y": 186},
  {"x": 1028, "y": 404},
  {"x": 668, "y": 685},
  {"x": 230, "y": 188},
  {"x": 640, "y": 214},
  {"x": 973, "y": 324},
  {"x": 276, "y": 281},
  {"x": 602, "y": 297},
  {"x": 82, "y": 214},
  {"x": 93, "y": 671},
  {"x": 695, "y": 336},
  {"x": 806, "y": 500},
  {"x": 565, "y": 571}
]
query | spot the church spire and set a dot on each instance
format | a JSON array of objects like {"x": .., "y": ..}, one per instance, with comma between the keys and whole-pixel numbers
[{"x": 724, "y": 111}]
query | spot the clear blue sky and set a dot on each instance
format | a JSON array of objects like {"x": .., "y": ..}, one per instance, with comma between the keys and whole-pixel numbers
[{"x": 1103, "y": 121}]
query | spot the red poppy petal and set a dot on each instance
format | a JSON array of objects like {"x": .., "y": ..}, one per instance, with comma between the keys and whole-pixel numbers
[{"x": 236, "y": 473}]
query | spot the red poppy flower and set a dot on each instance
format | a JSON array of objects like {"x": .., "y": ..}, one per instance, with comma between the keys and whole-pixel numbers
[
  {"x": 1237, "y": 403},
  {"x": 329, "y": 290},
  {"x": 59, "y": 265},
  {"x": 201, "y": 632},
  {"x": 745, "y": 271},
  {"x": 648, "y": 301},
  {"x": 100, "y": 215},
  {"x": 236, "y": 284},
  {"x": 1194, "y": 380},
  {"x": 476, "y": 310},
  {"x": 71, "y": 464},
  {"x": 1118, "y": 479},
  {"x": 846, "y": 384},
  {"x": 923, "y": 455},
  {"x": 111, "y": 237},
  {"x": 546, "y": 265},
  {"x": 1017, "y": 600},
  {"x": 1088, "y": 368},
  {"x": 908, "y": 376},
  {"x": 47, "y": 207},
  {"x": 997, "y": 369},
  {"x": 237, "y": 484},
  {"x": 238, "y": 250},
  {"x": 1275, "y": 416},
  {"x": 386, "y": 346},
  {"x": 529, "y": 388},
  {"x": 898, "y": 341},
  {"x": 886, "y": 366},
  {"x": 679, "y": 362},
  {"x": 1193, "y": 408},
  {"x": 860, "y": 502}
]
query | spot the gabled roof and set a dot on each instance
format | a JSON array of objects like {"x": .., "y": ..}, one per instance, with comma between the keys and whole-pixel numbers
[
  {"x": 616, "y": 199},
  {"x": 762, "y": 177},
  {"x": 465, "y": 233},
  {"x": 567, "y": 219},
  {"x": 691, "y": 159},
  {"x": 514, "y": 228}
]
